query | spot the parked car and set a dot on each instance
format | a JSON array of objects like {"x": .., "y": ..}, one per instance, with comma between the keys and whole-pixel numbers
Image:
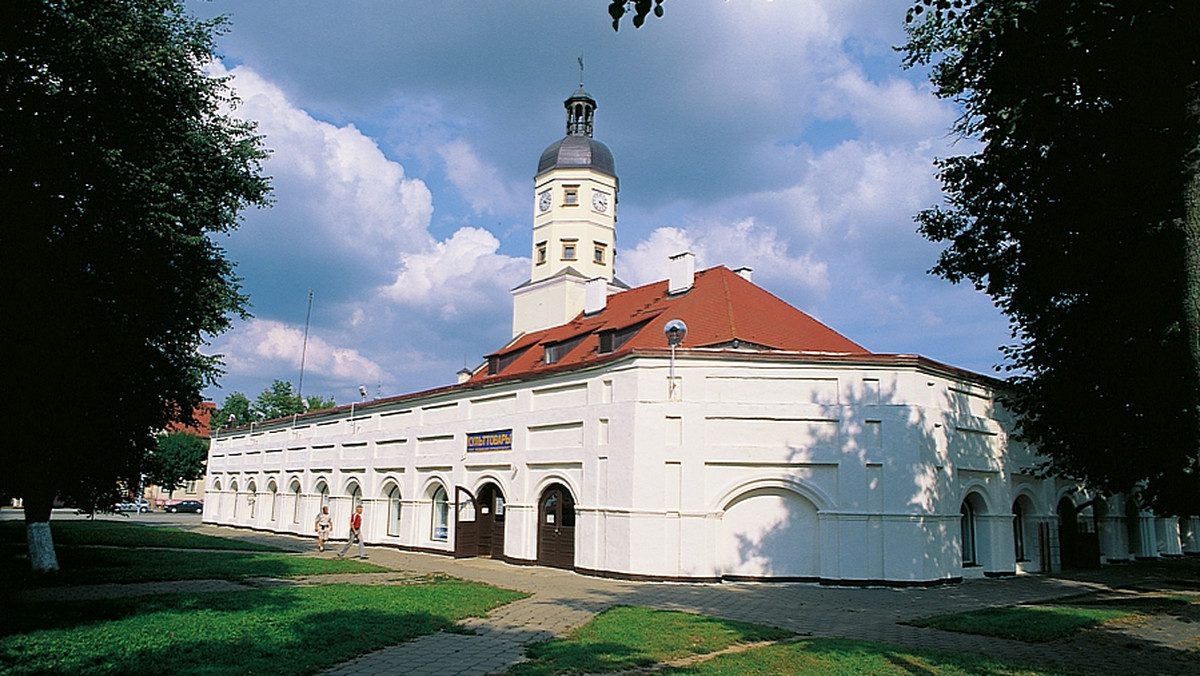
[
  {"x": 140, "y": 506},
  {"x": 186, "y": 506}
]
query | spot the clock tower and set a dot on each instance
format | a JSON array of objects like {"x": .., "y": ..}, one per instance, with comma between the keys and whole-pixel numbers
[{"x": 574, "y": 224}]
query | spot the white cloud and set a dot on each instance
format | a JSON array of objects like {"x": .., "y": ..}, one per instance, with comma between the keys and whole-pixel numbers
[
  {"x": 894, "y": 110},
  {"x": 272, "y": 349},
  {"x": 738, "y": 244},
  {"x": 480, "y": 183},
  {"x": 333, "y": 185},
  {"x": 457, "y": 275}
]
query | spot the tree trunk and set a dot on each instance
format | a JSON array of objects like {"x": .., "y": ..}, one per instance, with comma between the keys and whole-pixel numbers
[
  {"x": 1190, "y": 225},
  {"x": 42, "y": 558}
]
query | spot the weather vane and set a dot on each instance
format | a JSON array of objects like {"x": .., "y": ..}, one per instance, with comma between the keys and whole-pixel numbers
[{"x": 581, "y": 72}]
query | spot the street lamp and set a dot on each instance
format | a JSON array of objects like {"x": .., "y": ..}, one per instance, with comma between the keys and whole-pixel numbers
[{"x": 675, "y": 331}]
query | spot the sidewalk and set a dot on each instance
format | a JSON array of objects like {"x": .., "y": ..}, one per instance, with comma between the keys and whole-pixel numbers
[{"x": 560, "y": 601}]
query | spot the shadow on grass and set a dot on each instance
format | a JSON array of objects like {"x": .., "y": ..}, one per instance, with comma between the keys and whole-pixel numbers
[
  {"x": 629, "y": 637},
  {"x": 93, "y": 565},
  {"x": 278, "y": 631}
]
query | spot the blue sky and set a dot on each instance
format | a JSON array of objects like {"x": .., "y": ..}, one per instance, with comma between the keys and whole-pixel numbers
[{"x": 783, "y": 136}]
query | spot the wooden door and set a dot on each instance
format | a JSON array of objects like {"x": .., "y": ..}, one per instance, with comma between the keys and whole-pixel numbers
[
  {"x": 466, "y": 523},
  {"x": 491, "y": 522},
  {"x": 556, "y": 528}
]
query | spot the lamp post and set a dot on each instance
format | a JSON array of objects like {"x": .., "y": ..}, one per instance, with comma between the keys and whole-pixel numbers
[{"x": 675, "y": 331}]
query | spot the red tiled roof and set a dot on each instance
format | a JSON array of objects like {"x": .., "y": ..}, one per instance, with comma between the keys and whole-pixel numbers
[
  {"x": 201, "y": 415},
  {"x": 722, "y": 309}
]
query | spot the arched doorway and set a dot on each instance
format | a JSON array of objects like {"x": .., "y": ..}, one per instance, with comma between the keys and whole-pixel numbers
[
  {"x": 491, "y": 521},
  {"x": 479, "y": 522},
  {"x": 1078, "y": 543},
  {"x": 556, "y": 528}
]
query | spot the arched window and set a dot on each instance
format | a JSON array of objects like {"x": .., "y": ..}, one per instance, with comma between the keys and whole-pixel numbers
[
  {"x": 234, "y": 488},
  {"x": 251, "y": 492},
  {"x": 441, "y": 515},
  {"x": 355, "y": 494},
  {"x": 274, "y": 491},
  {"x": 216, "y": 501},
  {"x": 968, "y": 534},
  {"x": 295, "y": 502},
  {"x": 1019, "y": 531},
  {"x": 393, "y": 498},
  {"x": 323, "y": 490}
]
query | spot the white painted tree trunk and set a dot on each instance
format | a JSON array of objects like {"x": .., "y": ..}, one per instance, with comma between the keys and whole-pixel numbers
[{"x": 42, "y": 558}]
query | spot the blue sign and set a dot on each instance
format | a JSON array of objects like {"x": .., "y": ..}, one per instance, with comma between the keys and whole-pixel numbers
[{"x": 498, "y": 440}]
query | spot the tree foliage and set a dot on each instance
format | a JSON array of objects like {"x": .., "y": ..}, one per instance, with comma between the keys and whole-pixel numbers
[
  {"x": 179, "y": 456},
  {"x": 233, "y": 412},
  {"x": 640, "y": 9},
  {"x": 1080, "y": 215},
  {"x": 119, "y": 163},
  {"x": 275, "y": 401}
]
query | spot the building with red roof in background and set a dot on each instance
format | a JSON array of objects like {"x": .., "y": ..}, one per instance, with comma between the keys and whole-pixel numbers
[
  {"x": 695, "y": 428},
  {"x": 194, "y": 489}
]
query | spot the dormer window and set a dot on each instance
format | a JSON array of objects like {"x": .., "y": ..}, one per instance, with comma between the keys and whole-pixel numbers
[
  {"x": 613, "y": 339},
  {"x": 556, "y": 351},
  {"x": 499, "y": 362}
]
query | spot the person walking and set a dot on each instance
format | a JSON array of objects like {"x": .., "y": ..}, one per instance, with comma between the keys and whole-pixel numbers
[
  {"x": 355, "y": 534},
  {"x": 323, "y": 526}
]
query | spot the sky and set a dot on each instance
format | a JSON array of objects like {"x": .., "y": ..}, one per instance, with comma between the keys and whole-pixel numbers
[{"x": 782, "y": 136}]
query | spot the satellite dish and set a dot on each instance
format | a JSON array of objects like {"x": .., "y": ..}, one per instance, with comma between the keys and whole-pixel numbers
[{"x": 675, "y": 330}]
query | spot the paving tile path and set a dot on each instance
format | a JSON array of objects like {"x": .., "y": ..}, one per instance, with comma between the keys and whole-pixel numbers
[{"x": 560, "y": 601}]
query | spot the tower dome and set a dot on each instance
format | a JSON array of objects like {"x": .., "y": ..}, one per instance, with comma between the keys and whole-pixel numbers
[{"x": 578, "y": 149}]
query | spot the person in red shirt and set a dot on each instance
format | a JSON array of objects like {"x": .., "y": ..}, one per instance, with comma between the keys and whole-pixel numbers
[{"x": 355, "y": 534}]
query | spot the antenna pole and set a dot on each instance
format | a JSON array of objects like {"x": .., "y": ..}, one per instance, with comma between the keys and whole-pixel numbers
[{"x": 304, "y": 349}]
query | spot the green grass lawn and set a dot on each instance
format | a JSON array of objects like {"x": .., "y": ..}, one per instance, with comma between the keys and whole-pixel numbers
[
  {"x": 625, "y": 638},
  {"x": 1026, "y": 623},
  {"x": 286, "y": 630},
  {"x": 834, "y": 657},
  {"x": 278, "y": 630},
  {"x": 87, "y": 565},
  {"x": 97, "y": 552},
  {"x": 125, "y": 534}
]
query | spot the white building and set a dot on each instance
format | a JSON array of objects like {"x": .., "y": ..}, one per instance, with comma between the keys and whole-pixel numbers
[{"x": 764, "y": 445}]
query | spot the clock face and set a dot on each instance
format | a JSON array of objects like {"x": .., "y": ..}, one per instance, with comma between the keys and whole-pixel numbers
[
  {"x": 600, "y": 201},
  {"x": 544, "y": 200}
]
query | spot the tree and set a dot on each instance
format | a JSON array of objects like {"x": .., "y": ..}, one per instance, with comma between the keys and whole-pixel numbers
[
  {"x": 275, "y": 401},
  {"x": 235, "y": 411},
  {"x": 119, "y": 163},
  {"x": 179, "y": 456},
  {"x": 318, "y": 403},
  {"x": 1080, "y": 216}
]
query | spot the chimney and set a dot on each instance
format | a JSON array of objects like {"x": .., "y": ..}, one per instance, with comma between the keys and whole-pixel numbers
[
  {"x": 681, "y": 272},
  {"x": 595, "y": 295},
  {"x": 745, "y": 273}
]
